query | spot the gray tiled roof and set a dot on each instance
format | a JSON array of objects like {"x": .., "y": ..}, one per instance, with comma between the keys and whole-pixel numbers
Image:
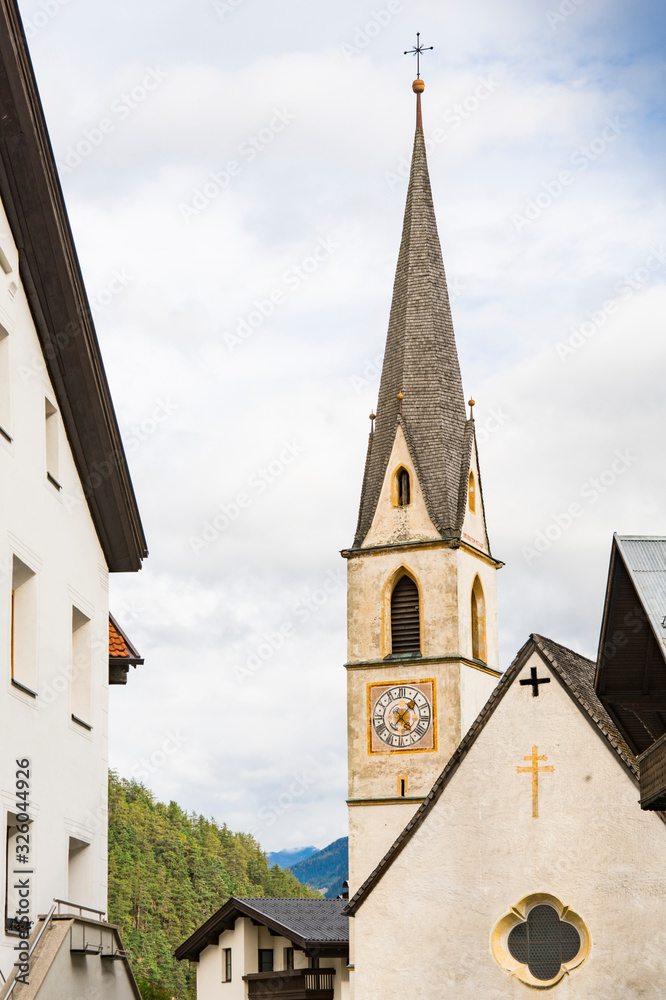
[
  {"x": 421, "y": 360},
  {"x": 311, "y": 919},
  {"x": 576, "y": 674},
  {"x": 315, "y": 924},
  {"x": 645, "y": 559}
]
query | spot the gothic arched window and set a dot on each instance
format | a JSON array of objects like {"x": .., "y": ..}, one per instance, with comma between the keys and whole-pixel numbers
[
  {"x": 403, "y": 488},
  {"x": 471, "y": 493},
  {"x": 405, "y": 617},
  {"x": 479, "y": 649}
]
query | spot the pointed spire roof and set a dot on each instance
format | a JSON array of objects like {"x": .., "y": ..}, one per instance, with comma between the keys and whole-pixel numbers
[{"x": 421, "y": 362}]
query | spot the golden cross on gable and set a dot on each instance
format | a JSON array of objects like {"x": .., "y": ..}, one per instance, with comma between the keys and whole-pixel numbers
[{"x": 534, "y": 770}]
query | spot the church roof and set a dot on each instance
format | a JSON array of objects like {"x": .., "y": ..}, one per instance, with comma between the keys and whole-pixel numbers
[
  {"x": 51, "y": 278},
  {"x": 576, "y": 674},
  {"x": 631, "y": 671},
  {"x": 421, "y": 361},
  {"x": 319, "y": 924}
]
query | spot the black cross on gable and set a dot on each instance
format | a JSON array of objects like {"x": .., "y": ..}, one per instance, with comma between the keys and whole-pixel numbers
[{"x": 535, "y": 681}]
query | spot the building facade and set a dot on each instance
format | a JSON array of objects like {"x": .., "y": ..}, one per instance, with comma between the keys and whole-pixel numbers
[{"x": 68, "y": 517}]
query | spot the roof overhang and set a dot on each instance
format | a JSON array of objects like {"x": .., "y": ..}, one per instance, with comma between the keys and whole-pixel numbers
[
  {"x": 51, "y": 276},
  {"x": 226, "y": 917},
  {"x": 630, "y": 678}
]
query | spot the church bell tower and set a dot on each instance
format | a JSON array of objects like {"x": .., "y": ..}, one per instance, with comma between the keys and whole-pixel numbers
[{"x": 422, "y": 593}]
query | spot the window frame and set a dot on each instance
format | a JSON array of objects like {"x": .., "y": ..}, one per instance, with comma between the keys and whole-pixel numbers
[{"x": 226, "y": 965}]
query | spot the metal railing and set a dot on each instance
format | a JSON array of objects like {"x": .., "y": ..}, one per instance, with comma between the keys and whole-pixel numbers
[
  {"x": 31, "y": 948},
  {"x": 79, "y": 907}
]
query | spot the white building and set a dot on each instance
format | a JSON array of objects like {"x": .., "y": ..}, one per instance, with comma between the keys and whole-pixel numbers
[
  {"x": 68, "y": 517},
  {"x": 268, "y": 948}
]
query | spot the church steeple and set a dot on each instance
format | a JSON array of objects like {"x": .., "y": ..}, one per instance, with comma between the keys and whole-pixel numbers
[
  {"x": 421, "y": 362},
  {"x": 422, "y": 653}
]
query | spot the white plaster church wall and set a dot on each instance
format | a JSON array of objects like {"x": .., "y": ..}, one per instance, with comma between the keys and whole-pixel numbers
[
  {"x": 52, "y": 532},
  {"x": 480, "y": 850},
  {"x": 372, "y": 830}
]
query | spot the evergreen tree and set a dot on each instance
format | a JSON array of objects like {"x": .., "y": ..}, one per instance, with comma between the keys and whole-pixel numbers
[{"x": 170, "y": 871}]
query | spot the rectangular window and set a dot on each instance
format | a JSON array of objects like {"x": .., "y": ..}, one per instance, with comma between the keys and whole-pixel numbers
[
  {"x": 288, "y": 958},
  {"x": 23, "y": 627},
  {"x": 79, "y": 876},
  {"x": 52, "y": 420},
  {"x": 81, "y": 667},
  {"x": 402, "y": 784},
  {"x": 265, "y": 960},
  {"x": 5, "y": 384},
  {"x": 226, "y": 965}
]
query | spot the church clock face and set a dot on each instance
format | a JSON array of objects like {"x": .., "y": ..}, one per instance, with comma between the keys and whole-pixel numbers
[{"x": 401, "y": 716}]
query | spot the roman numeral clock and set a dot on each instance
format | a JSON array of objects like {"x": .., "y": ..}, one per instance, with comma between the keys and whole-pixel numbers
[{"x": 402, "y": 716}]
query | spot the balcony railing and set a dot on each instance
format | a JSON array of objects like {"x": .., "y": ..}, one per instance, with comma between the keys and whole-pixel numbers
[
  {"x": 652, "y": 765},
  {"x": 291, "y": 984}
]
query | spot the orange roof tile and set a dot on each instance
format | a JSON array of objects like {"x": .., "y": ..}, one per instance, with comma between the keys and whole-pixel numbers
[{"x": 120, "y": 648}]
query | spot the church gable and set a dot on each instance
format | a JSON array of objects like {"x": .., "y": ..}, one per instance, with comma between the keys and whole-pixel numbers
[
  {"x": 401, "y": 514},
  {"x": 537, "y": 808}
]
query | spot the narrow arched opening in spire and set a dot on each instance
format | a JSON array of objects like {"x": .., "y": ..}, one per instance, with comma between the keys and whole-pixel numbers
[
  {"x": 471, "y": 493},
  {"x": 403, "y": 487},
  {"x": 405, "y": 618},
  {"x": 479, "y": 648}
]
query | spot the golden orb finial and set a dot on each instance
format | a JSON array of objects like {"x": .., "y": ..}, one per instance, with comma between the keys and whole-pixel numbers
[
  {"x": 471, "y": 404},
  {"x": 418, "y": 86}
]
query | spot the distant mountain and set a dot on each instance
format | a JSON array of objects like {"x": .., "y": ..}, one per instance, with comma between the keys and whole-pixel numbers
[
  {"x": 286, "y": 859},
  {"x": 326, "y": 870}
]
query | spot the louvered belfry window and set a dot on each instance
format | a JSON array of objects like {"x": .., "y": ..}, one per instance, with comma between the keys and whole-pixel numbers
[{"x": 405, "y": 619}]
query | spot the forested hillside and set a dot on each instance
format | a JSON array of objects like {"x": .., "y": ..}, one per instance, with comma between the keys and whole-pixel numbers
[{"x": 168, "y": 872}]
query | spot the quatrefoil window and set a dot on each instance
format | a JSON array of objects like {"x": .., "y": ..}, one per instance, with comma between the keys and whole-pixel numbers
[
  {"x": 543, "y": 942},
  {"x": 540, "y": 941}
]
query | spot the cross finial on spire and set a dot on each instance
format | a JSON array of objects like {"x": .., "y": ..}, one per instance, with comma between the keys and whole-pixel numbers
[{"x": 416, "y": 51}]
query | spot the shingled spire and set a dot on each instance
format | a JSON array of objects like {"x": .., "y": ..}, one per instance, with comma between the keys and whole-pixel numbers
[{"x": 421, "y": 362}]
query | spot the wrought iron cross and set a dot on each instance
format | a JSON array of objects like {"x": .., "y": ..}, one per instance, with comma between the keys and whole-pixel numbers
[
  {"x": 535, "y": 770},
  {"x": 535, "y": 681},
  {"x": 416, "y": 51}
]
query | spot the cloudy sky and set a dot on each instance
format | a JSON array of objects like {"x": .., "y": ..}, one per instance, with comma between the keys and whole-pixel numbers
[{"x": 235, "y": 178}]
